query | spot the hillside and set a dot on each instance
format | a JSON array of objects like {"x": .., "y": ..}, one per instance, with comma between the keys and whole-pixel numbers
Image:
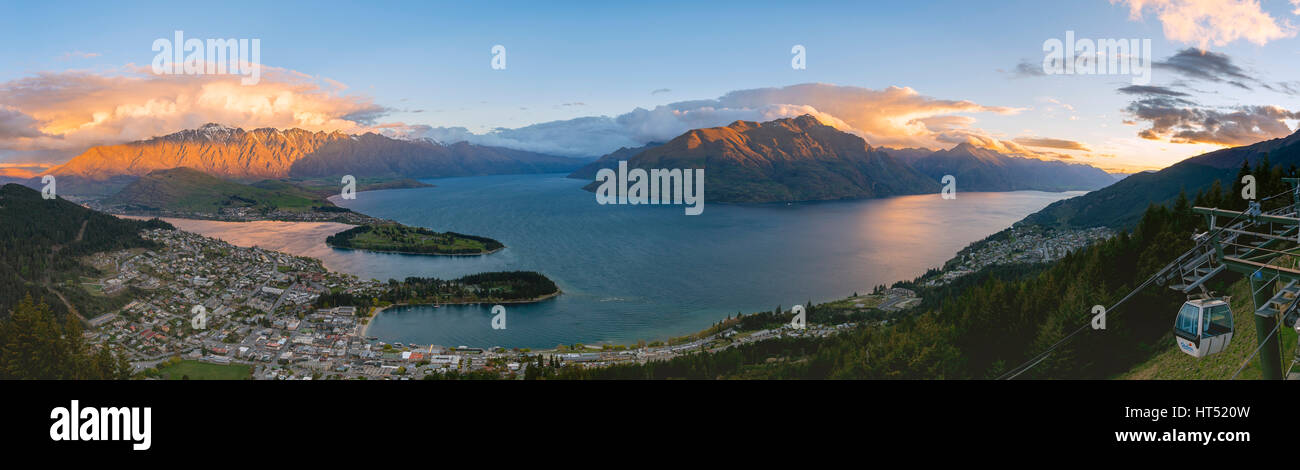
[
  {"x": 794, "y": 159},
  {"x": 1173, "y": 364},
  {"x": 1120, "y": 205},
  {"x": 980, "y": 169},
  {"x": 213, "y": 149},
  {"x": 41, "y": 240},
  {"x": 190, "y": 190}
]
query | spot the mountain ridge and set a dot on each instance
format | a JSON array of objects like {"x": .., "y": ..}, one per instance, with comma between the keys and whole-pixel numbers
[
  {"x": 788, "y": 159},
  {"x": 784, "y": 160},
  {"x": 269, "y": 153},
  {"x": 981, "y": 169},
  {"x": 1120, "y": 205}
]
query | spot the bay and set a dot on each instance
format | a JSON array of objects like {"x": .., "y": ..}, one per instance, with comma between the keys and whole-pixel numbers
[{"x": 631, "y": 272}]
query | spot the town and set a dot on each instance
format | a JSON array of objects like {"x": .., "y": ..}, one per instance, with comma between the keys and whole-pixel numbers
[
  {"x": 1020, "y": 244},
  {"x": 202, "y": 302}
]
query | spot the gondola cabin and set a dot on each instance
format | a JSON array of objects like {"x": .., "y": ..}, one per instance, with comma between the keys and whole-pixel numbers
[{"x": 1203, "y": 327}]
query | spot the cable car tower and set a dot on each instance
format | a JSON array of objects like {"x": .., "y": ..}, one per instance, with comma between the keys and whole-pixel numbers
[{"x": 1248, "y": 243}]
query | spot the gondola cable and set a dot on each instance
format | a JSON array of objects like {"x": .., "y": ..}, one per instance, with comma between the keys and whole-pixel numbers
[{"x": 1037, "y": 359}]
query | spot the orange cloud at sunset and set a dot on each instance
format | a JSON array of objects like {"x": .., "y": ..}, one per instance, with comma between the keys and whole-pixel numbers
[{"x": 67, "y": 112}]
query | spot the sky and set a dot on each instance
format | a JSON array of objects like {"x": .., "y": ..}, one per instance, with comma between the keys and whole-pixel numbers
[{"x": 585, "y": 78}]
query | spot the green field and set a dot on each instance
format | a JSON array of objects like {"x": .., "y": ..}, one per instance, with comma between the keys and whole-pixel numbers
[{"x": 196, "y": 370}]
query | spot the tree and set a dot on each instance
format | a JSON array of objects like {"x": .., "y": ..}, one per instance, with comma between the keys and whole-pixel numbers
[{"x": 34, "y": 345}]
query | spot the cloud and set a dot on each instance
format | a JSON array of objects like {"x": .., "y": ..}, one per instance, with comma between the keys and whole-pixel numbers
[
  {"x": 1206, "y": 65},
  {"x": 15, "y": 124},
  {"x": 1043, "y": 142},
  {"x": 79, "y": 55},
  {"x": 666, "y": 90},
  {"x": 1217, "y": 22},
  {"x": 1066, "y": 106},
  {"x": 1287, "y": 88},
  {"x": 979, "y": 139},
  {"x": 53, "y": 116},
  {"x": 1182, "y": 121},
  {"x": 895, "y": 116},
  {"x": 1171, "y": 114},
  {"x": 57, "y": 115},
  {"x": 584, "y": 136},
  {"x": 1151, "y": 90},
  {"x": 1025, "y": 69}
]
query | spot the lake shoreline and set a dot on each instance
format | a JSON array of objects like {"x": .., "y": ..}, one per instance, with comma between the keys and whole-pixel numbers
[
  {"x": 365, "y": 329},
  {"x": 624, "y": 286},
  {"x": 414, "y": 253}
]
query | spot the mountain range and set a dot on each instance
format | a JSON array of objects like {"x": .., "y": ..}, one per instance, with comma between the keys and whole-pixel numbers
[
  {"x": 981, "y": 169},
  {"x": 1121, "y": 205},
  {"x": 269, "y": 153},
  {"x": 791, "y": 159},
  {"x": 374, "y": 155},
  {"x": 801, "y": 159}
]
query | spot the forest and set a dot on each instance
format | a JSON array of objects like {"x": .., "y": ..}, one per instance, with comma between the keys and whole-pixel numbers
[{"x": 41, "y": 242}]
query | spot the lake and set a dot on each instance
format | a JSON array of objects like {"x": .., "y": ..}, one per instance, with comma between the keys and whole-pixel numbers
[{"x": 640, "y": 272}]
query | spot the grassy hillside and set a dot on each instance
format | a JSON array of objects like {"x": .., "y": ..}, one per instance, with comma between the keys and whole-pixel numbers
[
  {"x": 189, "y": 190},
  {"x": 1173, "y": 364}
]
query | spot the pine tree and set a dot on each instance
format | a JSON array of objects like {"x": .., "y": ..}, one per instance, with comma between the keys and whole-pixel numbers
[{"x": 34, "y": 345}]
